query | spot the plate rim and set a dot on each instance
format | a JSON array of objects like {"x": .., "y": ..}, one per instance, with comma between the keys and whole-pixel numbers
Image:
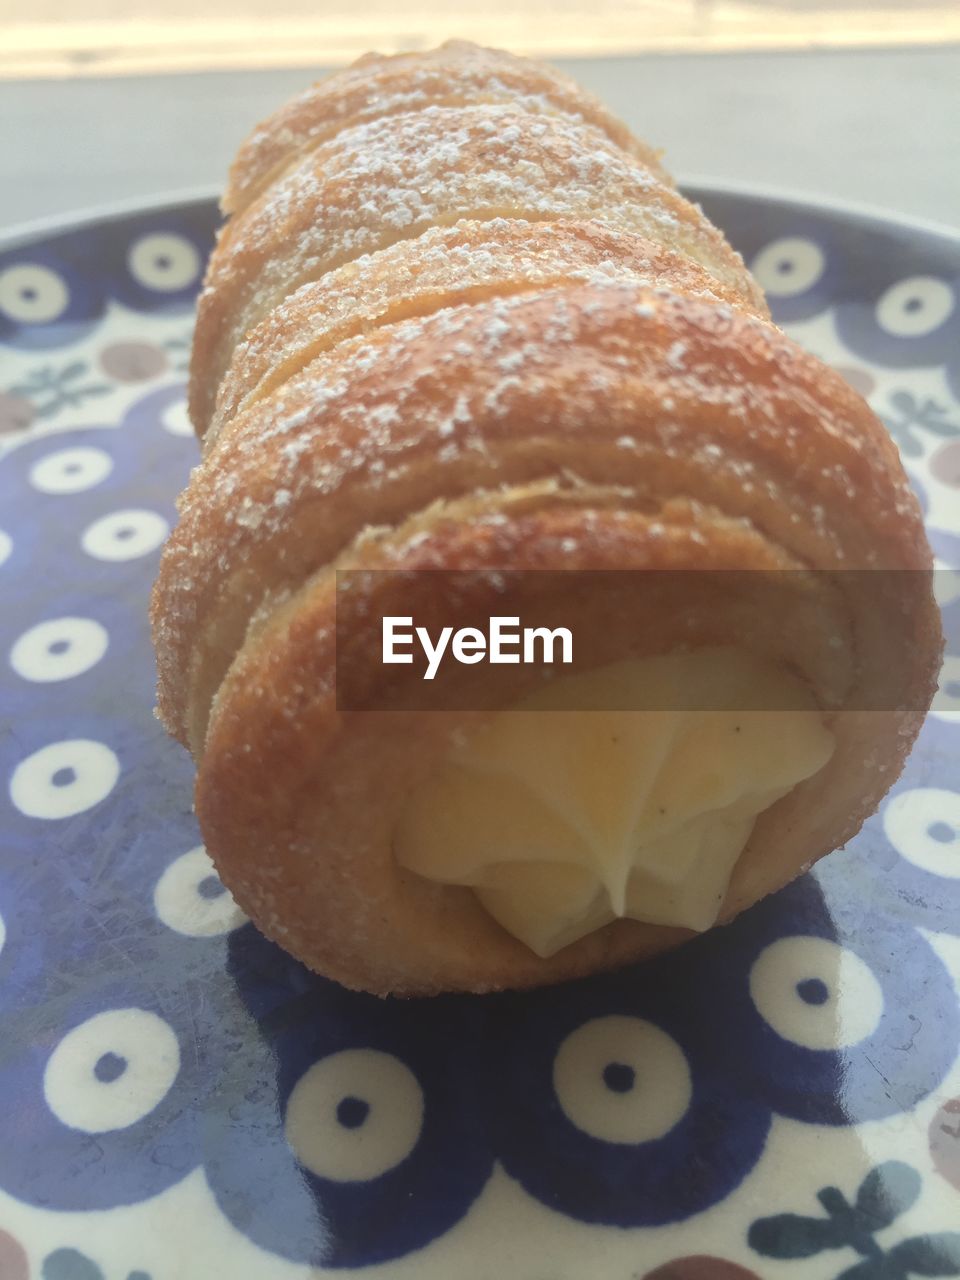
[{"x": 35, "y": 231}]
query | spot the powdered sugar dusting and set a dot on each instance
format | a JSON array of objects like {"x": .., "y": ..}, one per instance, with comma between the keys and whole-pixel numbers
[
  {"x": 442, "y": 267},
  {"x": 458, "y": 72},
  {"x": 392, "y": 178}
]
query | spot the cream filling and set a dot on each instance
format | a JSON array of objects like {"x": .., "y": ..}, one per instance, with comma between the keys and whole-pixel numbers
[{"x": 564, "y": 812}]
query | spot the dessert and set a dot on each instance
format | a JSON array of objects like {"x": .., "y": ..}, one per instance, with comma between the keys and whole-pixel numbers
[{"x": 461, "y": 325}]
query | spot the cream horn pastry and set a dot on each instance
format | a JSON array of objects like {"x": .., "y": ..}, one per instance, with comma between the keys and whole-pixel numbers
[{"x": 576, "y": 374}]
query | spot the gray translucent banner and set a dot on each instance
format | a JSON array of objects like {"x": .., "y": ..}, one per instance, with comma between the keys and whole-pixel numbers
[{"x": 441, "y": 640}]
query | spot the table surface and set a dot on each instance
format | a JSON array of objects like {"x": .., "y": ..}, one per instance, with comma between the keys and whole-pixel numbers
[{"x": 874, "y": 127}]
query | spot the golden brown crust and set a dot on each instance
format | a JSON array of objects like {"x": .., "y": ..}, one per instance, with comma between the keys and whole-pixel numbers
[
  {"x": 394, "y": 178},
  {"x": 445, "y": 267},
  {"x": 457, "y": 73},
  {"x": 479, "y": 332}
]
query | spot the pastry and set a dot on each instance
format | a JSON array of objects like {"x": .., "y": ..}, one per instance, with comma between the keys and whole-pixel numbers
[
  {"x": 552, "y": 363},
  {"x": 444, "y": 267},
  {"x": 457, "y": 73},
  {"x": 394, "y": 175}
]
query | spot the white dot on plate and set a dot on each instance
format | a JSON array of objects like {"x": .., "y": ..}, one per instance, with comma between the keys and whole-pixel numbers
[
  {"x": 788, "y": 266},
  {"x": 64, "y": 778},
  {"x": 176, "y": 420},
  {"x": 59, "y": 649},
  {"x": 165, "y": 262},
  {"x": 32, "y": 294},
  {"x": 190, "y": 899},
  {"x": 816, "y": 993},
  {"x": 923, "y": 825},
  {"x": 112, "y": 1070},
  {"x": 622, "y": 1079},
  {"x": 354, "y": 1115},
  {"x": 6, "y": 546},
  {"x": 124, "y": 535},
  {"x": 71, "y": 470},
  {"x": 914, "y": 307}
]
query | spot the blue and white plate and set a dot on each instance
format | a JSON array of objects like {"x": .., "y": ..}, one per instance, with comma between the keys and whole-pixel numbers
[{"x": 179, "y": 1100}]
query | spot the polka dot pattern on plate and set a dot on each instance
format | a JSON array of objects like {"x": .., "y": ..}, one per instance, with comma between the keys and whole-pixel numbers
[
  {"x": 70, "y": 1264},
  {"x": 125, "y": 535},
  {"x": 190, "y": 899},
  {"x": 13, "y": 1260},
  {"x": 112, "y": 1070},
  {"x": 16, "y": 413},
  {"x": 373, "y": 1125},
  {"x": 59, "y": 649},
  {"x": 176, "y": 420},
  {"x": 945, "y": 1141},
  {"x": 946, "y": 702},
  {"x": 165, "y": 262},
  {"x": 622, "y": 1080},
  {"x": 701, "y": 1267},
  {"x": 923, "y": 825},
  {"x": 946, "y": 589},
  {"x": 133, "y": 361},
  {"x": 64, "y": 779},
  {"x": 789, "y": 266},
  {"x": 32, "y": 294},
  {"x": 816, "y": 993},
  {"x": 915, "y": 307},
  {"x": 945, "y": 464},
  {"x": 71, "y": 470},
  {"x": 354, "y": 1115}
]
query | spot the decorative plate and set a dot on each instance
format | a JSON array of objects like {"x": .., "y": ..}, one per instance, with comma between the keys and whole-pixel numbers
[{"x": 182, "y": 1101}]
